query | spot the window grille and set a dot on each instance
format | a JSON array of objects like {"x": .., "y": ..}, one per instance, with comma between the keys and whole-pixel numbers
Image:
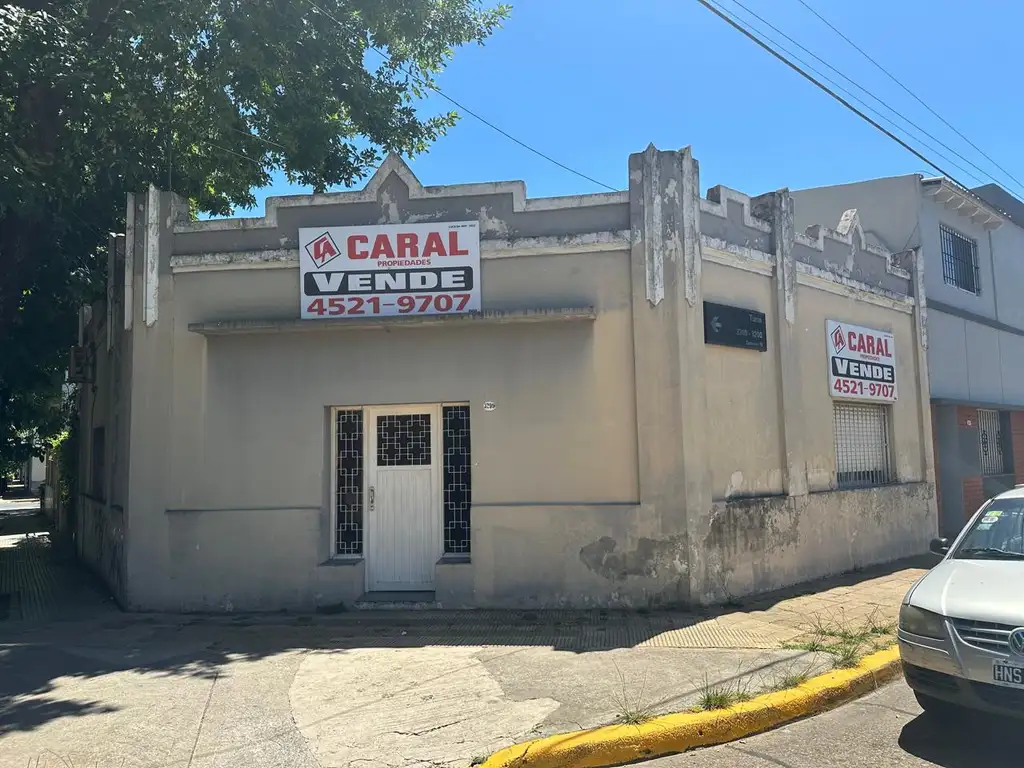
[
  {"x": 863, "y": 455},
  {"x": 990, "y": 439},
  {"x": 403, "y": 440},
  {"x": 458, "y": 495},
  {"x": 348, "y": 502},
  {"x": 959, "y": 260}
]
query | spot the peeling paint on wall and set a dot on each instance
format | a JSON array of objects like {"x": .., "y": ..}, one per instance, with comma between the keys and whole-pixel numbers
[
  {"x": 389, "y": 213},
  {"x": 491, "y": 225},
  {"x": 654, "y": 247},
  {"x": 690, "y": 205},
  {"x": 652, "y": 558},
  {"x": 129, "y": 263},
  {"x": 151, "y": 275}
]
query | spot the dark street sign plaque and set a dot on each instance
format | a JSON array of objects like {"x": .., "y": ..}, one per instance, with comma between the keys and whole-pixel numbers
[{"x": 734, "y": 327}]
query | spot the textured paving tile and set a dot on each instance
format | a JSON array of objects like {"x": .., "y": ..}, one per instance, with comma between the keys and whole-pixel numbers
[{"x": 42, "y": 585}]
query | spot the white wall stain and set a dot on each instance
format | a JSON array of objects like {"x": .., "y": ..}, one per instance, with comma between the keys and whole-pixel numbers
[
  {"x": 389, "y": 209},
  {"x": 151, "y": 275},
  {"x": 129, "y": 263}
]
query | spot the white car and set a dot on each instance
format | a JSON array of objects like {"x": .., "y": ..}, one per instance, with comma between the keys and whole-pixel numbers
[{"x": 961, "y": 630}]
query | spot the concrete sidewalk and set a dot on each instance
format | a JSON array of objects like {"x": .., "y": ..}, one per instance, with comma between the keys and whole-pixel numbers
[
  {"x": 38, "y": 580},
  {"x": 388, "y": 690}
]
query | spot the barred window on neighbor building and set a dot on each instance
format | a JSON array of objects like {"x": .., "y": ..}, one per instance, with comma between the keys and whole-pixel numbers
[
  {"x": 959, "y": 260},
  {"x": 863, "y": 451},
  {"x": 994, "y": 460}
]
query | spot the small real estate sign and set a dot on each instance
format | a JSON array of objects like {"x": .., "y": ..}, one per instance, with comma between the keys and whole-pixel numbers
[
  {"x": 389, "y": 269},
  {"x": 861, "y": 362}
]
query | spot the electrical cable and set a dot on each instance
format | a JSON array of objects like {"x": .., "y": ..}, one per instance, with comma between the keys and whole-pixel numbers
[
  {"x": 746, "y": 33},
  {"x": 862, "y": 103},
  {"x": 842, "y": 89},
  {"x": 471, "y": 113},
  {"x": 252, "y": 135},
  {"x": 985, "y": 174},
  {"x": 913, "y": 95}
]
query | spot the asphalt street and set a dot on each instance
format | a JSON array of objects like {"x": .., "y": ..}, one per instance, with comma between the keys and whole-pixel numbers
[{"x": 885, "y": 729}]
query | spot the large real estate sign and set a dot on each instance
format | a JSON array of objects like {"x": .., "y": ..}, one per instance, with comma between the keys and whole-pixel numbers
[
  {"x": 861, "y": 362},
  {"x": 389, "y": 270}
]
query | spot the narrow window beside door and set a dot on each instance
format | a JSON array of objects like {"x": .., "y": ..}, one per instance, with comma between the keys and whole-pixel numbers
[
  {"x": 458, "y": 489},
  {"x": 348, "y": 502}
]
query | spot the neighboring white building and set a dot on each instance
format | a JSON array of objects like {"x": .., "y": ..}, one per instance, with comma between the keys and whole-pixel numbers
[
  {"x": 36, "y": 473},
  {"x": 972, "y": 245}
]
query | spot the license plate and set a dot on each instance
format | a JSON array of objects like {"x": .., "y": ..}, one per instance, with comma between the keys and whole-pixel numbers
[{"x": 1007, "y": 674}]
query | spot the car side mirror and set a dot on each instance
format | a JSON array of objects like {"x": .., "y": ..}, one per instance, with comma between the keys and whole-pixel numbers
[{"x": 939, "y": 546}]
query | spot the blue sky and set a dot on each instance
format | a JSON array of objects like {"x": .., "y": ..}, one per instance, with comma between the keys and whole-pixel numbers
[{"x": 590, "y": 81}]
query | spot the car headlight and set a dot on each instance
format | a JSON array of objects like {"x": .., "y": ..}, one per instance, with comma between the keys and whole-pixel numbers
[{"x": 917, "y": 621}]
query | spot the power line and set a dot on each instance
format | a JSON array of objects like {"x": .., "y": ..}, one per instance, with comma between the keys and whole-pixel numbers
[
  {"x": 257, "y": 163},
  {"x": 252, "y": 135},
  {"x": 471, "y": 113},
  {"x": 984, "y": 174},
  {"x": 913, "y": 95},
  {"x": 746, "y": 33}
]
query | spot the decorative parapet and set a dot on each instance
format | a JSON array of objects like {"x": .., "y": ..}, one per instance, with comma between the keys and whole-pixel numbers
[
  {"x": 745, "y": 236},
  {"x": 374, "y": 192},
  {"x": 850, "y": 233},
  {"x": 733, "y": 228},
  {"x": 716, "y": 204}
]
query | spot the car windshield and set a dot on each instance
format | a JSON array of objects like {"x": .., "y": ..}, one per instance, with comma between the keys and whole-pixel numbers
[{"x": 998, "y": 533}]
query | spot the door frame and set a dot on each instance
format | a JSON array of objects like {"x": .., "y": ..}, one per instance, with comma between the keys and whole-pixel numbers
[{"x": 370, "y": 414}]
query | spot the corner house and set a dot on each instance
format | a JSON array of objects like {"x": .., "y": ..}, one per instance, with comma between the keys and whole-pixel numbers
[{"x": 474, "y": 398}]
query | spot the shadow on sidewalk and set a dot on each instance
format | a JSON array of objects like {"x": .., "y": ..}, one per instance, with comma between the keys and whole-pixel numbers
[
  {"x": 22, "y": 521},
  {"x": 33, "y": 658},
  {"x": 976, "y": 740},
  {"x": 850, "y": 579}
]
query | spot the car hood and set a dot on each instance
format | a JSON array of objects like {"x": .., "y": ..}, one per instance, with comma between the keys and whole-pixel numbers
[{"x": 980, "y": 590}]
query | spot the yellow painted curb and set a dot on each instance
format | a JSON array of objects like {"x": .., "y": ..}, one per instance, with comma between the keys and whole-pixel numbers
[{"x": 669, "y": 734}]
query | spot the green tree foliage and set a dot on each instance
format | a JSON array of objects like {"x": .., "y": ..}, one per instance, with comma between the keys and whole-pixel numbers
[{"x": 207, "y": 97}]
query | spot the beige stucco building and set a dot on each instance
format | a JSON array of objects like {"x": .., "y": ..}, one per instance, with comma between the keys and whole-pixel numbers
[{"x": 574, "y": 443}]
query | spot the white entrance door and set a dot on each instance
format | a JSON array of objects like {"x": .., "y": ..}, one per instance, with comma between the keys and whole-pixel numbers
[{"x": 404, "y": 521}]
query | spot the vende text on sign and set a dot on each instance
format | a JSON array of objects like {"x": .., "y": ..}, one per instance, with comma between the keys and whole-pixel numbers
[
  {"x": 391, "y": 269},
  {"x": 862, "y": 362}
]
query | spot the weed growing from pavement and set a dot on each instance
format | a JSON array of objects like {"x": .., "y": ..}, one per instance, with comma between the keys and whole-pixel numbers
[
  {"x": 713, "y": 696},
  {"x": 631, "y": 712},
  {"x": 845, "y": 641},
  {"x": 846, "y": 655},
  {"x": 790, "y": 677}
]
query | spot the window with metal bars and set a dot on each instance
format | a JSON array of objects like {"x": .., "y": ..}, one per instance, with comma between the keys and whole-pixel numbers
[
  {"x": 458, "y": 488},
  {"x": 863, "y": 453},
  {"x": 994, "y": 460},
  {"x": 348, "y": 492},
  {"x": 959, "y": 260}
]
